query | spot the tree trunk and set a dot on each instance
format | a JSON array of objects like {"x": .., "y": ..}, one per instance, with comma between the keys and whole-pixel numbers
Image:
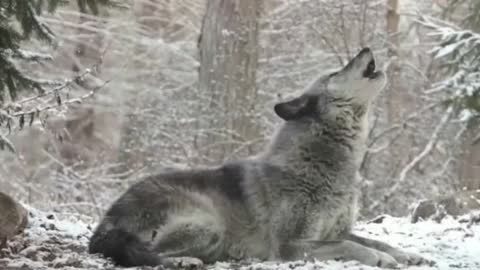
[
  {"x": 393, "y": 22},
  {"x": 89, "y": 48},
  {"x": 470, "y": 147},
  {"x": 395, "y": 96},
  {"x": 469, "y": 162},
  {"x": 228, "y": 63},
  {"x": 399, "y": 99}
]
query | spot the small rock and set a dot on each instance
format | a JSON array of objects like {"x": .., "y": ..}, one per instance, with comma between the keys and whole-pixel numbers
[{"x": 13, "y": 218}]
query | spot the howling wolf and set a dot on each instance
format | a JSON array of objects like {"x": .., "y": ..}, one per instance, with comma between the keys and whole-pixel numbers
[{"x": 295, "y": 200}]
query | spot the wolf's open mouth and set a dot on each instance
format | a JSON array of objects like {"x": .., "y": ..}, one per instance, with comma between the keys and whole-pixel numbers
[{"x": 370, "y": 70}]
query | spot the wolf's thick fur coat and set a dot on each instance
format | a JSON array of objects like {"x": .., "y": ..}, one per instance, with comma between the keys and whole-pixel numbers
[{"x": 295, "y": 199}]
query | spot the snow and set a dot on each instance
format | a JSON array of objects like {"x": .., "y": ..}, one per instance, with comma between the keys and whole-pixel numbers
[
  {"x": 450, "y": 244},
  {"x": 52, "y": 241},
  {"x": 443, "y": 51}
]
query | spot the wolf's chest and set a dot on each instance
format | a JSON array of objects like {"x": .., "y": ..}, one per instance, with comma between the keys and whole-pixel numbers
[{"x": 323, "y": 220}]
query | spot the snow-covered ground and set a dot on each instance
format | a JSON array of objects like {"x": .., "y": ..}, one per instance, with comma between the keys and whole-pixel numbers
[{"x": 53, "y": 243}]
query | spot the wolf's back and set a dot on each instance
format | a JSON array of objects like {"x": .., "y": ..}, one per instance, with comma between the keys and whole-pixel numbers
[{"x": 125, "y": 248}]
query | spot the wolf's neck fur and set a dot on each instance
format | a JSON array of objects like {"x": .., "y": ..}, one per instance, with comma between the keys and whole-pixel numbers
[{"x": 329, "y": 149}]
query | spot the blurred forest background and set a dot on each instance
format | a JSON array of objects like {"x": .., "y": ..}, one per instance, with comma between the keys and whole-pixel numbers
[{"x": 97, "y": 93}]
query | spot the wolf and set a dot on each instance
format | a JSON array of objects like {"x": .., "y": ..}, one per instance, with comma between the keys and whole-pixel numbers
[{"x": 295, "y": 200}]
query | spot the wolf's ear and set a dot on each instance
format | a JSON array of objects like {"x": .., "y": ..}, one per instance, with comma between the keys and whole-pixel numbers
[{"x": 296, "y": 108}]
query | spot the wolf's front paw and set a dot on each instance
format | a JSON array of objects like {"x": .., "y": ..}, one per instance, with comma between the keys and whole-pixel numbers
[
  {"x": 409, "y": 258},
  {"x": 183, "y": 262},
  {"x": 384, "y": 260}
]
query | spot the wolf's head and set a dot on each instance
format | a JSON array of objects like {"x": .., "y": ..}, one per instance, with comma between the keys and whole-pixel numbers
[
  {"x": 348, "y": 91},
  {"x": 330, "y": 117},
  {"x": 322, "y": 138}
]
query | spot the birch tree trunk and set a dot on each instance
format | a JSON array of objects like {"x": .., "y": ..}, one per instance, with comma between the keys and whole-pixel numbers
[{"x": 228, "y": 64}]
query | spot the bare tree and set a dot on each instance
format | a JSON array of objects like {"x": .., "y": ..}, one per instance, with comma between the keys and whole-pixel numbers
[{"x": 228, "y": 62}]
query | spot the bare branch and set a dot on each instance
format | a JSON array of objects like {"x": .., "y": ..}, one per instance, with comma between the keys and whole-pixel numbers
[
  {"x": 5, "y": 142},
  {"x": 417, "y": 159},
  {"x": 402, "y": 124}
]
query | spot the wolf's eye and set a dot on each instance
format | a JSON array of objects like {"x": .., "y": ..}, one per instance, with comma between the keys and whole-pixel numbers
[{"x": 370, "y": 71}]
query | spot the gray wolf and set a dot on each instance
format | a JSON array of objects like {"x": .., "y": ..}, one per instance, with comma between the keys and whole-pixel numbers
[{"x": 295, "y": 200}]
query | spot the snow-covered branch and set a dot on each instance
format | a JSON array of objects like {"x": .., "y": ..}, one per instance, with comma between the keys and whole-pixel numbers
[{"x": 458, "y": 50}]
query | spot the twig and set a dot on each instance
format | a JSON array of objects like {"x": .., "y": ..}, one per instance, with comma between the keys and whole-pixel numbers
[
  {"x": 57, "y": 89},
  {"x": 476, "y": 140},
  {"x": 402, "y": 124},
  {"x": 55, "y": 105},
  {"x": 26, "y": 55},
  {"x": 5, "y": 142},
  {"x": 78, "y": 176}
]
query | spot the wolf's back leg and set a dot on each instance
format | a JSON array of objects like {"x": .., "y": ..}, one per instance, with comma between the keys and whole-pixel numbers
[
  {"x": 334, "y": 250},
  {"x": 200, "y": 235},
  {"x": 121, "y": 235}
]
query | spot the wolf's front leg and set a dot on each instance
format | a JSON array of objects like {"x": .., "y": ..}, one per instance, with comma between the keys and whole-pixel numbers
[
  {"x": 336, "y": 250},
  {"x": 402, "y": 257},
  {"x": 182, "y": 262}
]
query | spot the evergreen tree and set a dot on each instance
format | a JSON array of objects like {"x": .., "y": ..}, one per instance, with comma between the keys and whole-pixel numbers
[
  {"x": 19, "y": 23},
  {"x": 458, "y": 51}
]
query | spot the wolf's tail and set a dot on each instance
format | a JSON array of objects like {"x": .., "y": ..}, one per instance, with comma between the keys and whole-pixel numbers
[{"x": 125, "y": 248}]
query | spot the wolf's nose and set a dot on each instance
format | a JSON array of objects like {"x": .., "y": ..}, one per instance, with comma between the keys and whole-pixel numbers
[{"x": 365, "y": 50}]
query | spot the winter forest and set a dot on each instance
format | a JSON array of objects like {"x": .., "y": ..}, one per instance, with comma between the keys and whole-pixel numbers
[{"x": 96, "y": 94}]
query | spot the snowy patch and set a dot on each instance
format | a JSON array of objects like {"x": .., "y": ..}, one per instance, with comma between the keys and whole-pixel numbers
[
  {"x": 451, "y": 244},
  {"x": 53, "y": 243}
]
